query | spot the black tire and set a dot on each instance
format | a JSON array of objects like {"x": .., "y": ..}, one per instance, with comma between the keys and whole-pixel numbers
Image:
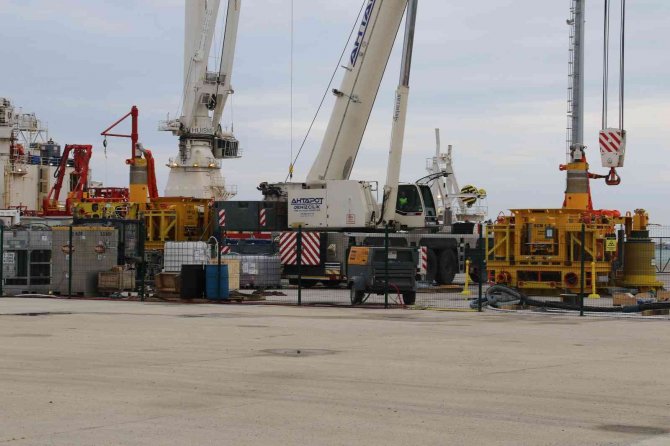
[
  {"x": 293, "y": 282},
  {"x": 357, "y": 297},
  {"x": 409, "y": 297},
  {"x": 447, "y": 267},
  {"x": 431, "y": 270}
]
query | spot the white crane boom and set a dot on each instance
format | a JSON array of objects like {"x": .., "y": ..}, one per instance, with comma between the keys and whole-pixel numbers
[
  {"x": 329, "y": 199},
  {"x": 196, "y": 171},
  {"x": 399, "y": 118},
  {"x": 356, "y": 96},
  {"x": 199, "y": 33},
  {"x": 227, "y": 58}
]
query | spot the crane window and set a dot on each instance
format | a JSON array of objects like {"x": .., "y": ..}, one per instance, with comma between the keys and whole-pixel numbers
[{"x": 409, "y": 200}]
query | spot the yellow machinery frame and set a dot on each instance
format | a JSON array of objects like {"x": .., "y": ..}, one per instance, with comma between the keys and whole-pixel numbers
[
  {"x": 541, "y": 249},
  {"x": 177, "y": 219}
]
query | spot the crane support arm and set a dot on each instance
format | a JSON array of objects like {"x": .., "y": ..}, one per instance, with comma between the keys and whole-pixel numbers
[
  {"x": 399, "y": 117},
  {"x": 200, "y": 25},
  {"x": 224, "y": 88},
  {"x": 81, "y": 155},
  {"x": 358, "y": 91},
  {"x": 152, "y": 186},
  {"x": 134, "y": 114}
]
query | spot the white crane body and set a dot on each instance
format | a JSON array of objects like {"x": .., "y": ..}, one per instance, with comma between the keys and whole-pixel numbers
[
  {"x": 329, "y": 199},
  {"x": 196, "y": 171}
]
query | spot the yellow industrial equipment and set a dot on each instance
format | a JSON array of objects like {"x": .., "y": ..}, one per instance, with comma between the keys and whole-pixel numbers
[
  {"x": 105, "y": 209},
  {"x": 540, "y": 250},
  {"x": 639, "y": 254},
  {"x": 177, "y": 219},
  {"x": 167, "y": 218}
]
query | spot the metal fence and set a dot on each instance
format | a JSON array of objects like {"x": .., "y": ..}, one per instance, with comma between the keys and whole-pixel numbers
[
  {"x": 382, "y": 269},
  {"x": 585, "y": 268},
  {"x": 99, "y": 259},
  {"x": 575, "y": 268}
]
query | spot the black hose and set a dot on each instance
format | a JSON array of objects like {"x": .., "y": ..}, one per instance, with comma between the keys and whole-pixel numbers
[
  {"x": 569, "y": 307},
  {"x": 498, "y": 294}
]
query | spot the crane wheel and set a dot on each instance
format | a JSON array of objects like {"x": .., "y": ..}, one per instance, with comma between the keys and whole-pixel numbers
[
  {"x": 409, "y": 297},
  {"x": 447, "y": 267}
]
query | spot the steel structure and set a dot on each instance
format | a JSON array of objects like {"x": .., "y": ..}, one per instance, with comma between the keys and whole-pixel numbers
[
  {"x": 547, "y": 250},
  {"x": 196, "y": 170},
  {"x": 452, "y": 201}
]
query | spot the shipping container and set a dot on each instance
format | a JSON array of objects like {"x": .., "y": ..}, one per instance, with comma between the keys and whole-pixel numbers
[
  {"x": 27, "y": 260},
  {"x": 94, "y": 250}
]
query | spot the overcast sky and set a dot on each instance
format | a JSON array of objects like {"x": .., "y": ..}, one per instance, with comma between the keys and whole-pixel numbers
[{"x": 492, "y": 74}]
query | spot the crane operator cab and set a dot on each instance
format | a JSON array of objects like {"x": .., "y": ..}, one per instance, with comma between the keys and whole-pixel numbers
[{"x": 415, "y": 207}]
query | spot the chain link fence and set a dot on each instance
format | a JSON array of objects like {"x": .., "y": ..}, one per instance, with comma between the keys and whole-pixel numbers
[
  {"x": 585, "y": 268},
  {"x": 97, "y": 259},
  {"x": 575, "y": 268},
  {"x": 381, "y": 269}
]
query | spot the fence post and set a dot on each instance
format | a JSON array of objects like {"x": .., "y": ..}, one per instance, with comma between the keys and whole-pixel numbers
[
  {"x": 218, "y": 268},
  {"x": 69, "y": 262},
  {"x": 2, "y": 256},
  {"x": 581, "y": 269},
  {"x": 299, "y": 263},
  {"x": 142, "y": 255},
  {"x": 386, "y": 265},
  {"x": 481, "y": 268}
]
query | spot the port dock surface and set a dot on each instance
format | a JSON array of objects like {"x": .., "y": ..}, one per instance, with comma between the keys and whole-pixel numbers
[{"x": 78, "y": 372}]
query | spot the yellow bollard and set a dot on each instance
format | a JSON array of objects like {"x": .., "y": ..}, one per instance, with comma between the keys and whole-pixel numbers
[
  {"x": 594, "y": 280},
  {"x": 466, "y": 287}
]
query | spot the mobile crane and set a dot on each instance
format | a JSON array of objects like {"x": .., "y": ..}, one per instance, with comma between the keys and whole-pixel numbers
[
  {"x": 329, "y": 199},
  {"x": 196, "y": 170},
  {"x": 338, "y": 211}
]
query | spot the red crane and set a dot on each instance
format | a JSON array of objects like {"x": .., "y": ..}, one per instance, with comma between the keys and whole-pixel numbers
[
  {"x": 136, "y": 147},
  {"x": 81, "y": 157}
]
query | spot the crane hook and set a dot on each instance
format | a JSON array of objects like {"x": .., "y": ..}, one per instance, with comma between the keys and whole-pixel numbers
[{"x": 613, "y": 179}]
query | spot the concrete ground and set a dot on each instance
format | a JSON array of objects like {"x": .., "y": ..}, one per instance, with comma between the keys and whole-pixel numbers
[{"x": 126, "y": 373}]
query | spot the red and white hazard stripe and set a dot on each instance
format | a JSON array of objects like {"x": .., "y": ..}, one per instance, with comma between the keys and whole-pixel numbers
[
  {"x": 311, "y": 248},
  {"x": 612, "y": 147},
  {"x": 225, "y": 249},
  {"x": 423, "y": 260},
  {"x": 611, "y": 140},
  {"x": 222, "y": 218},
  {"x": 262, "y": 217}
]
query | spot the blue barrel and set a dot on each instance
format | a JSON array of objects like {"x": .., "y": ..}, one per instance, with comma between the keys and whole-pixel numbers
[{"x": 215, "y": 289}]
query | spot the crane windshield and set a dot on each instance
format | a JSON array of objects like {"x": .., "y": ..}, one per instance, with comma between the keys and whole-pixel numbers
[{"x": 409, "y": 200}]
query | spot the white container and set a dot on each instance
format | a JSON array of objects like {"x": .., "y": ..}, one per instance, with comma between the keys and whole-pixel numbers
[{"x": 184, "y": 253}]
